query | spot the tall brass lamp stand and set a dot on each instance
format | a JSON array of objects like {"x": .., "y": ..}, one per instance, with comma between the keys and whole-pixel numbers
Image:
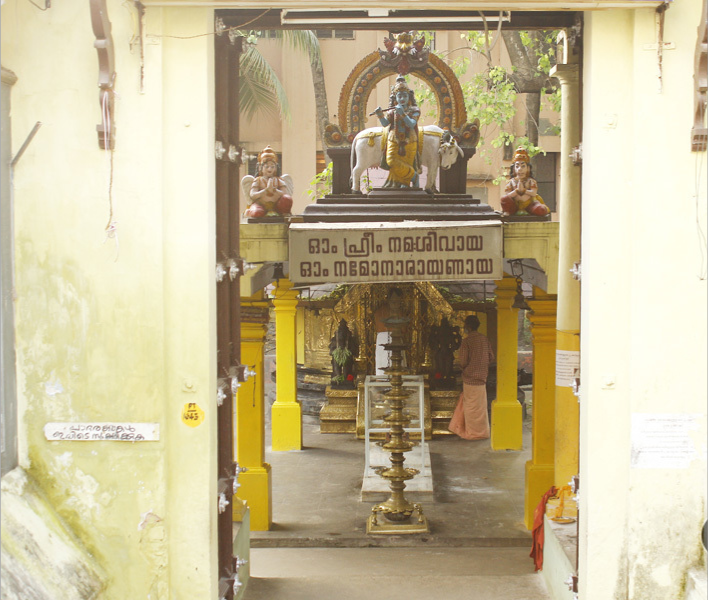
[{"x": 396, "y": 511}]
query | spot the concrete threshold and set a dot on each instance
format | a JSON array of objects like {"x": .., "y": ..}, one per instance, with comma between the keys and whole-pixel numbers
[{"x": 402, "y": 541}]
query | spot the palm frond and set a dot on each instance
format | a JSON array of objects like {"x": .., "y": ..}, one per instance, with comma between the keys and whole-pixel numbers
[
  {"x": 304, "y": 40},
  {"x": 260, "y": 89}
]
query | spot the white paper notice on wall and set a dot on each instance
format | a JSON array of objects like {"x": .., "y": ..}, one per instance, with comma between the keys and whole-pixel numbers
[
  {"x": 567, "y": 367},
  {"x": 101, "y": 432},
  {"x": 663, "y": 440}
]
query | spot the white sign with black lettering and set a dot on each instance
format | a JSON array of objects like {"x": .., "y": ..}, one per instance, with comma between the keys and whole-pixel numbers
[
  {"x": 102, "y": 432},
  {"x": 663, "y": 440},
  {"x": 567, "y": 367},
  {"x": 386, "y": 252}
]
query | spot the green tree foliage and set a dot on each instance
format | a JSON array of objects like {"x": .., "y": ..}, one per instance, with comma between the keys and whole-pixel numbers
[
  {"x": 491, "y": 94},
  {"x": 321, "y": 184},
  {"x": 261, "y": 91}
]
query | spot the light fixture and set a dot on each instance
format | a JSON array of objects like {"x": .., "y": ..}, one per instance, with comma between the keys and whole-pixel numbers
[
  {"x": 373, "y": 16},
  {"x": 278, "y": 273},
  {"x": 519, "y": 300}
]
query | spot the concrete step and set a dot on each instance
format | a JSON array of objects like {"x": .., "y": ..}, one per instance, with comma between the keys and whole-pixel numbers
[{"x": 393, "y": 573}]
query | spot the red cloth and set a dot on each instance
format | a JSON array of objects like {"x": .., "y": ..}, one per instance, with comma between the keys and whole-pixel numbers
[{"x": 537, "y": 531}]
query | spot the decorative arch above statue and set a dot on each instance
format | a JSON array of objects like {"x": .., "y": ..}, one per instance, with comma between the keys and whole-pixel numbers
[{"x": 404, "y": 56}]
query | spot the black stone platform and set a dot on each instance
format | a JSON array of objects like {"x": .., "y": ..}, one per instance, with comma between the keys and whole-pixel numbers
[
  {"x": 383, "y": 204},
  {"x": 525, "y": 218},
  {"x": 278, "y": 219}
]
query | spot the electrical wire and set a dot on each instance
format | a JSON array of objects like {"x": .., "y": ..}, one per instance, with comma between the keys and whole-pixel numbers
[
  {"x": 234, "y": 28},
  {"x": 37, "y": 5},
  {"x": 699, "y": 163},
  {"x": 111, "y": 228}
]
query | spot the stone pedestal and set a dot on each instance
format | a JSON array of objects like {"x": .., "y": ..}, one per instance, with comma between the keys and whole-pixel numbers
[
  {"x": 397, "y": 205},
  {"x": 442, "y": 405},
  {"x": 338, "y": 415}
]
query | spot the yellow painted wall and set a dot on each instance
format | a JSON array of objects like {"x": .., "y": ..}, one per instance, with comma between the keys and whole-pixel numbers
[
  {"x": 643, "y": 316},
  {"x": 118, "y": 329}
]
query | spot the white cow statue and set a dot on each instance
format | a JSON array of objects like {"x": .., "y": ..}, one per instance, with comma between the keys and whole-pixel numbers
[{"x": 440, "y": 149}]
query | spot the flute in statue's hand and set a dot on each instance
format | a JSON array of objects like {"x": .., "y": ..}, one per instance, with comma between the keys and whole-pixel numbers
[{"x": 380, "y": 111}]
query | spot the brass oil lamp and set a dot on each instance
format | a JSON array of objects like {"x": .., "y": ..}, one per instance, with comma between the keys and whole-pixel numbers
[{"x": 396, "y": 511}]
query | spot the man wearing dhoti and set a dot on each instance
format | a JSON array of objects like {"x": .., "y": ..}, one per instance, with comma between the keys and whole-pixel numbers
[{"x": 470, "y": 420}]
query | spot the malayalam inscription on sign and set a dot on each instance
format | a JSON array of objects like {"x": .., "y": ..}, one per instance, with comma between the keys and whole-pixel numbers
[
  {"x": 383, "y": 252},
  {"x": 102, "y": 432},
  {"x": 663, "y": 441},
  {"x": 567, "y": 367}
]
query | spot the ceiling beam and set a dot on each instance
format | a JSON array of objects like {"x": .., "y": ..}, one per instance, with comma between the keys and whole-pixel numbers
[{"x": 402, "y": 20}]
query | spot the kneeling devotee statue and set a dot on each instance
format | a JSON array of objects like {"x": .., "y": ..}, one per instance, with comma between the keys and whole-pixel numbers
[
  {"x": 521, "y": 191},
  {"x": 270, "y": 195}
]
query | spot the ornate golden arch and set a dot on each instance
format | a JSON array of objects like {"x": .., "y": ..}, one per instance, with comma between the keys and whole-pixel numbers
[{"x": 452, "y": 114}]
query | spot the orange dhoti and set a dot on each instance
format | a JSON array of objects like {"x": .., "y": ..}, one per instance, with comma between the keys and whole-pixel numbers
[{"x": 470, "y": 420}]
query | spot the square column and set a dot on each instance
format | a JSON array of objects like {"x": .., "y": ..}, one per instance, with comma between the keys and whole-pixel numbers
[
  {"x": 507, "y": 414},
  {"x": 540, "y": 469},
  {"x": 256, "y": 485},
  {"x": 286, "y": 412}
]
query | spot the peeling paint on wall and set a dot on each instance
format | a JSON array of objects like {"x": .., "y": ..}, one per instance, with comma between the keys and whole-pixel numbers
[
  {"x": 41, "y": 558},
  {"x": 79, "y": 362},
  {"x": 154, "y": 548}
]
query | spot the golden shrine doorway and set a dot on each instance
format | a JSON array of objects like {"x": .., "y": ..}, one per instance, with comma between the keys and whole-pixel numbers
[{"x": 426, "y": 305}]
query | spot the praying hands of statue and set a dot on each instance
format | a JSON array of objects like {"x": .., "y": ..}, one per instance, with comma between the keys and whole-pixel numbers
[
  {"x": 270, "y": 190},
  {"x": 525, "y": 191}
]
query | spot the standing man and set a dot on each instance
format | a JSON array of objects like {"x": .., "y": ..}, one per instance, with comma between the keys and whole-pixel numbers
[
  {"x": 470, "y": 420},
  {"x": 401, "y": 136}
]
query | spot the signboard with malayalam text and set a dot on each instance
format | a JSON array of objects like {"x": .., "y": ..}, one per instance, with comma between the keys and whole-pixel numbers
[
  {"x": 102, "y": 432},
  {"x": 386, "y": 252}
]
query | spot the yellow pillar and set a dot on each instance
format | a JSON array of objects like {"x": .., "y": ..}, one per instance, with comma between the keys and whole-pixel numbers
[
  {"x": 568, "y": 326},
  {"x": 539, "y": 470},
  {"x": 286, "y": 415},
  {"x": 300, "y": 324},
  {"x": 256, "y": 485},
  {"x": 507, "y": 414}
]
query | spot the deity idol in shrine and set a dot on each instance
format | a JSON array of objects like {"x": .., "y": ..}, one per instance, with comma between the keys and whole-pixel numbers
[{"x": 400, "y": 136}]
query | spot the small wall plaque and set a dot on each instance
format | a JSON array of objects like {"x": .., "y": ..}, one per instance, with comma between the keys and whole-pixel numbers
[{"x": 101, "y": 432}]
